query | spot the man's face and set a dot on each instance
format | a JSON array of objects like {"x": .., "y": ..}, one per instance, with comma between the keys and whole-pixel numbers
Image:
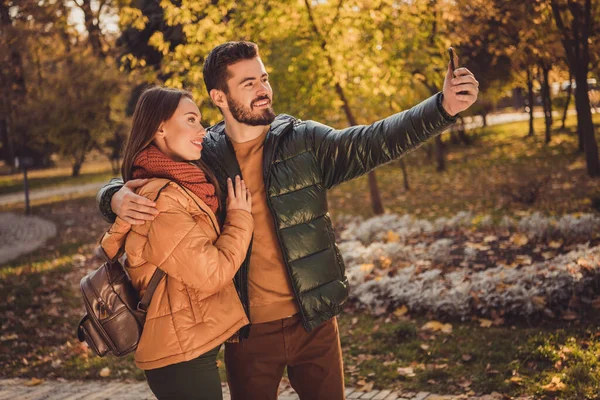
[{"x": 250, "y": 95}]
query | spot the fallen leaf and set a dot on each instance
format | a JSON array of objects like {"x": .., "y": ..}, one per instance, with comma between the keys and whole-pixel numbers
[
  {"x": 407, "y": 371},
  {"x": 392, "y": 237},
  {"x": 516, "y": 379},
  {"x": 465, "y": 383},
  {"x": 586, "y": 263},
  {"x": 5, "y": 338},
  {"x": 435, "y": 326},
  {"x": 354, "y": 321},
  {"x": 425, "y": 346},
  {"x": 485, "y": 323},
  {"x": 400, "y": 311},
  {"x": 490, "y": 238},
  {"x": 33, "y": 382},
  {"x": 519, "y": 239},
  {"x": 555, "y": 244},
  {"x": 555, "y": 385},
  {"x": 367, "y": 267},
  {"x": 570, "y": 315},
  {"x": 524, "y": 259},
  {"x": 467, "y": 357},
  {"x": 367, "y": 387},
  {"x": 104, "y": 372},
  {"x": 539, "y": 301},
  {"x": 548, "y": 254}
]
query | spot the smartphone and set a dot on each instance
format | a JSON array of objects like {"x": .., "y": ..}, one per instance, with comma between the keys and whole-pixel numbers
[
  {"x": 453, "y": 64},
  {"x": 452, "y": 58}
]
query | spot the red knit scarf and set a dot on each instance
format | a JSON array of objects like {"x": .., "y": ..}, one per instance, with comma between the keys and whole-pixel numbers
[{"x": 152, "y": 163}]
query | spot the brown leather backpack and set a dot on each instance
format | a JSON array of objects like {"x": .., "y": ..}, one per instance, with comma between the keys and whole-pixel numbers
[{"x": 115, "y": 315}]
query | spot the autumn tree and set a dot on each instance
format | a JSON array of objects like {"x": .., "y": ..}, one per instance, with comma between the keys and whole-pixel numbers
[{"x": 574, "y": 21}]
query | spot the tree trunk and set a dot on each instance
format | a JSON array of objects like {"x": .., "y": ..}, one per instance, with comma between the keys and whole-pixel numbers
[
  {"x": 92, "y": 27},
  {"x": 575, "y": 41},
  {"x": 569, "y": 93},
  {"x": 12, "y": 84},
  {"x": 376, "y": 202},
  {"x": 404, "y": 174},
  {"x": 454, "y": 139},
  {"x": 546, "y": 101},
  {"x": 585, "y": 123},
  {"x": 429, "y": 151},
  {"x": 462, "y": 134},
  {"x": 484, "y": 118},
  {"x": 439, "y": 154},
  {"x": 115, "y": 164},
  {"x": 76, "y": 168},
  {"x": 530, "y": 100}
]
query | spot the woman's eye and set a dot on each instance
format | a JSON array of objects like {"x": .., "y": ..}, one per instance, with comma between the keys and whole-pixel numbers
[{"x": 192, "y": 120}]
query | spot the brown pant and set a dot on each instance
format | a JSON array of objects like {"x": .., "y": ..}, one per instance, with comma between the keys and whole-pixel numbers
[{"x": 314, "y": 361}]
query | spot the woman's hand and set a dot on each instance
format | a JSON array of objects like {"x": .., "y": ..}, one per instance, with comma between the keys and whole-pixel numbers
[{"x": 240, "y": 197}]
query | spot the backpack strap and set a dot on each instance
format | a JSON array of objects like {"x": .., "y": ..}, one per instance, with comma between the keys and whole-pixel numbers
[
  {"x": 156, "y": 276},
  {"x": 154, "y": 281}
]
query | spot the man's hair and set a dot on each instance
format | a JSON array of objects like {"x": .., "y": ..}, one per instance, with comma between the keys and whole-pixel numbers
[{"x": 222, "y": 56}]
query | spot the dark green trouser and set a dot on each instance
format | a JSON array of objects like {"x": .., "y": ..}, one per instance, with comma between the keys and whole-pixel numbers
[{"x": 197, "y": 379}]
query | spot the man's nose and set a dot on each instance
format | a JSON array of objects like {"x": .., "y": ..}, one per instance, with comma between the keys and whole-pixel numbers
[{"x": 263, "y": 89}]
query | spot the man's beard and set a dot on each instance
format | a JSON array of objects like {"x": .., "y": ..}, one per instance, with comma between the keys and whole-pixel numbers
[{"x": 245, "y": 116}]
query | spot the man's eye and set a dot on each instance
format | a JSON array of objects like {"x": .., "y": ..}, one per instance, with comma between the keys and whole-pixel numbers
[{"x": 249, "y": 84}]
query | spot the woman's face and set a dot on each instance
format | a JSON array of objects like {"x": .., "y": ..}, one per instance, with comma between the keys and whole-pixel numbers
[{"x": 180, "y": 137}]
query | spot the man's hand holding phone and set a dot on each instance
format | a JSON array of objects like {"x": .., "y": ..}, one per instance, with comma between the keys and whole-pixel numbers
[{"x": 460, "y": 87}]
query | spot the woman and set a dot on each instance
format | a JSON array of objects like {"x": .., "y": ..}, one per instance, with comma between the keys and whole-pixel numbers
[{"x": 195, "y": 308}]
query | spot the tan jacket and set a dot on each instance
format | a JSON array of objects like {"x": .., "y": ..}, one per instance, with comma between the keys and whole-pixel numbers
[{"x": 195, "y": 307}]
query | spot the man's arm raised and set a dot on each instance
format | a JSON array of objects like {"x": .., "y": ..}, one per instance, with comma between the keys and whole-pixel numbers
[
  {"x": 118, "y": 199},
  {"x": 348, "y": 153}
]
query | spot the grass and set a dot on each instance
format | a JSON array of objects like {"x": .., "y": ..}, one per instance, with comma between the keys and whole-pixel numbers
[{"x": 518, "y": 359}]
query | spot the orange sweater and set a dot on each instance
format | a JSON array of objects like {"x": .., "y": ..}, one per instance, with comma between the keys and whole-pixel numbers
[{"x": 269, "y": 289}]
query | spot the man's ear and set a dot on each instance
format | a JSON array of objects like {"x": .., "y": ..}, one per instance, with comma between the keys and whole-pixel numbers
[{"x": 219, "y": 98}]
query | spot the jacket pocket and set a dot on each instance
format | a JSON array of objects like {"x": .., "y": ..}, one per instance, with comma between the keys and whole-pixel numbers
[{"x": 192, "y": 302}]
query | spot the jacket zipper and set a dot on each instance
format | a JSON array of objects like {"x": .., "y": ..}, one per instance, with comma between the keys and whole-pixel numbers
[{"x": 267, "y": 182}]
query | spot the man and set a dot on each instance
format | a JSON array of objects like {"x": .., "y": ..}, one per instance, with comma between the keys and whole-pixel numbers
[{"x": 292, "y": 282}]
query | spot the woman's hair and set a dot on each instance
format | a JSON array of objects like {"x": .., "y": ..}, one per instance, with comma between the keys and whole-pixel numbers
[{"x": 155, "y": 106}]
